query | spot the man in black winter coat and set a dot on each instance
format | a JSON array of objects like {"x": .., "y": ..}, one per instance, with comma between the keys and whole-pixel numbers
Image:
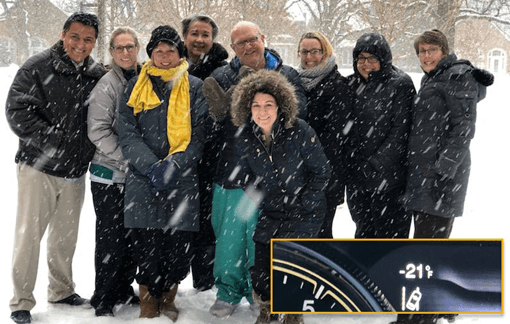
[{"x": 46, "y": 108}]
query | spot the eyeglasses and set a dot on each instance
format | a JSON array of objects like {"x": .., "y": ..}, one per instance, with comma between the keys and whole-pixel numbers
[
  {"x": 249, "y": 41},
  {"x": 430, "y": 51},
  {"x": 120, "y": 48},
  {"x": 370, "y": 59},
  {"x": 312, "y": 52}
]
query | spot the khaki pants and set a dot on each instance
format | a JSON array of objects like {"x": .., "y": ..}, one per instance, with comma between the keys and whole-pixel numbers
[{"x": 55, "y": 203}]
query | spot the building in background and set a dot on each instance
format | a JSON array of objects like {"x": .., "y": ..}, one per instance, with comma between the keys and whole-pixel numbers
[
  {"x": 27, "y": 27},
  {"x": 486, "y": 44}
]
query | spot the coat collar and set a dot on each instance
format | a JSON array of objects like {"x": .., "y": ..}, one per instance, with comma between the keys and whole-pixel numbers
[{"x": 63, "y": 64}]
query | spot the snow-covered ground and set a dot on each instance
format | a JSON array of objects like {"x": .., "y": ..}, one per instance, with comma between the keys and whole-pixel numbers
[{"x": 486, "y": 203}]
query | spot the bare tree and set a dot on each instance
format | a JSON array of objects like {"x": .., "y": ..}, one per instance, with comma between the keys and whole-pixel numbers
[
  {"x": 271, "y": 15},
  {"x": 400, "y": 21},
  {"x": 334, "y": 18}
]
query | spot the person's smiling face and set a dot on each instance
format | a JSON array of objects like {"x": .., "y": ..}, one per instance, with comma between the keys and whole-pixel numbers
[
  {"x": 79, "y": 41},
  {"x": 311, "y": 53},
  {"x": 248, "y": 44},
  {"x": 198, "y": 40},
  {"x": 124, "y": 51},
  {"x": 429, "y": 55},
  {"x": 264, "y": 111},
  {"x": 367, "y": 63},
  {"x": 165, "y": 56}
]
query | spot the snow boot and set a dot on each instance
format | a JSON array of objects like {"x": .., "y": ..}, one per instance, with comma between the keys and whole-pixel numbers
[
  {"x": 149, "y": 306},
  {"x": 265, "y": 310},
  {"x": 167, "y": 305},
  {"x": 21, "y": 317},
  {"x": 293, "y": 319},
  {"x": 222, "y": 308}
]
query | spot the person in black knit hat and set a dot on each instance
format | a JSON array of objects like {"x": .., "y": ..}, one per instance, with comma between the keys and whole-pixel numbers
[
  {"x": 161, "y": 132},
  {"x": 166, "y": 34}
]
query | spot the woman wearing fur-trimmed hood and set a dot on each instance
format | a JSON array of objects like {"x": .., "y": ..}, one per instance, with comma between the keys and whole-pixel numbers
[
  {"x": 285, "y": 167},
  {"x": 270, "y": 82}
]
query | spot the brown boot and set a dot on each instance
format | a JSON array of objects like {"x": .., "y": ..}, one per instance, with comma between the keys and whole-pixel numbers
[
  {"x": 293, "y": 319},
  {"x": 167, "y": 305},
  {"x": 149, "y": 306},
  {"x": 265, "y": 310}
]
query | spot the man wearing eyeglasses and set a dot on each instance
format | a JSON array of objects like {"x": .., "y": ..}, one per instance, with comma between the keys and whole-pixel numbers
[
  {"x": 47, "y": 109},
  {"x": 234, "y": 215},
  {"x": 378, "y": 141}
]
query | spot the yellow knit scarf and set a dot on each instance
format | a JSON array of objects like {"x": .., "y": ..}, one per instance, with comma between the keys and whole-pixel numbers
[{"x": 143, "y": 98}]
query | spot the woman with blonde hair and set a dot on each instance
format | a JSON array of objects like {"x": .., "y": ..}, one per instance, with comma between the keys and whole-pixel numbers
[
  {"x": 114, "y": 260},
  {"x": 329, "y": 106}
]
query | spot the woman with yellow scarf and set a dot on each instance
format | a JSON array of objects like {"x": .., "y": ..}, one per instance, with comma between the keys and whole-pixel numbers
[{"x": 161, "y": 132}]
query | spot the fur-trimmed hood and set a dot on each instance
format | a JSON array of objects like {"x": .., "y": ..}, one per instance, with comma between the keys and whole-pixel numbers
[{"x": 269, "y": 82}]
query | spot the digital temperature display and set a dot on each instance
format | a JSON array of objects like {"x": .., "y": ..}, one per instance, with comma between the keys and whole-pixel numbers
[{"x": 413, "y": 271}]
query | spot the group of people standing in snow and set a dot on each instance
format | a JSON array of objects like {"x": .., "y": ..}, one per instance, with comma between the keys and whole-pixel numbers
[{"x": 196, "y": 161}]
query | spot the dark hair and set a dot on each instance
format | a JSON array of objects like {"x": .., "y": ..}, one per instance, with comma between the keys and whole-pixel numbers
[
  {"x": 432, "y": 37},
  {"x": 82, "y": 18},
  {"x": 186, "y": 22}
]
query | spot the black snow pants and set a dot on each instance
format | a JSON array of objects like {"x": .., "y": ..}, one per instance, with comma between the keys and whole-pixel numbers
[{"x": 114, "y": 254}]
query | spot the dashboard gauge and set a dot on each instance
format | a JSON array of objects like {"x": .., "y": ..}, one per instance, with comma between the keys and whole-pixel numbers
[{"x": 364, "y": 276}]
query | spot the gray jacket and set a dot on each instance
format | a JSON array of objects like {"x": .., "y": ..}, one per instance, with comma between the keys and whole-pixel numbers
[{"x": 102, "y": 123}]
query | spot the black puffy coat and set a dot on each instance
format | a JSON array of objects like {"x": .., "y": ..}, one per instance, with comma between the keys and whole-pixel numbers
[
  {"x": 227, "y": 76},
  {"x": 291, "y": 175},
  {"x": 443, "y": 124},
  {"x": 144, "y": 141},
  {"x": 47, "y": 109},
  {"x": 329, "y": 108},
  {"x": 214, "y": 59},
  {"x": 382, "y": 119}
]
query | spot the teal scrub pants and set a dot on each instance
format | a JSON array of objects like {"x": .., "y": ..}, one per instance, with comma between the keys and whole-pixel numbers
[{"x": 234, "y": 217}]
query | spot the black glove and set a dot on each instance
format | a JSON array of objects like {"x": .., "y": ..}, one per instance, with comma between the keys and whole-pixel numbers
[{"x": 162, "y": 173}]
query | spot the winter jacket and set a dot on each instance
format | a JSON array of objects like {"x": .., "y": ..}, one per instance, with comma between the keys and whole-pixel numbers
[
  {"x": 329, "y": 106},
  {"x": 47, "y": 109},
  {"x": 214, "y": 59},
  {"x": 443, "y": 124},
  {"x": 290, "y": 175},
  {"x": 103, "y": 124},
  {"x": 144, "y": 141},
  {"x": 227, "y": 174},
  {"x": 382, "y": 118}
]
